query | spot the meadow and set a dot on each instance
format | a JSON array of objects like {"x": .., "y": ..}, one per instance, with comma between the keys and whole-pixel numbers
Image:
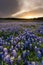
[{"x": 21, "y": 43}]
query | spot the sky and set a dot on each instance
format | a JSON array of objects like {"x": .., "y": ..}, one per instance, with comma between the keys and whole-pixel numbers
[{"x": 21, "y": 8}]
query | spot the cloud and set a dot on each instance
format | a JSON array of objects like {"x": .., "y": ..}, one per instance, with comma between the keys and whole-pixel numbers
[
  {"x": 34, "y": 13},
  {"x": 13, "y": 7},
  {"x": 8, "y": 7},
  {"x": 30, "y": 4}
]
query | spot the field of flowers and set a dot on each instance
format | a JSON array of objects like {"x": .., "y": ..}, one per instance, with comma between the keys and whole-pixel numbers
[{"x": 21, "y": 45}]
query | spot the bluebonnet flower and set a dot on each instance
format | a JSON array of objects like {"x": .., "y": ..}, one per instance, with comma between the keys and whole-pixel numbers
[
  {"x": 28, "y": 63},
  {"x": 14, "y": 43},
  {"x": 7, "y": 43},
  {"x": 8, "y": 39},
  {"x": 11, "y": 48},
  {"x": 36, "y": 49},
  {"x": 1, "y": 42},
  {"x": 19, "y": 59},
  {"x": 39, "y": 55},
  {"x": 29, "y": 40},
  {"x": 5, "y": 50},
  {"x": 23, "y": 38},
  {"x": 7, "y": 59},
  {"x": 16, "y": 49},
  {"x": 27, "y": 53},
  {"x": 19, "y": 45},
  {"x": 1, "y": 48},
  {"x": 14, "y": 53},
  {"x": 24, "y": 47},
  {"x": 38, "y": 44},
  {"x": 17, "y": 39},
  {"x": 1, "y": 54},
  {"x": 11, "y": 37},
  {"x": 41, "y": 31},
  {"x": 5, "y": 54},
  {"x": 41, "y": 50},
  {"x": 36, "y": 63},
  {"x": 26, "y": 43},
  {"x": 30, "y": 46},
  {"x": 23, "y": 54},
  {"x": 25, "y": 62},
  {"x": 33, "y": 63},
  {"x": 42, "y": 62},
  {"x": 11, "y": 60}
]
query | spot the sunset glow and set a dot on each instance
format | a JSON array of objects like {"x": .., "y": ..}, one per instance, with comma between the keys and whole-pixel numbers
[{"x": 28, "y": 17}]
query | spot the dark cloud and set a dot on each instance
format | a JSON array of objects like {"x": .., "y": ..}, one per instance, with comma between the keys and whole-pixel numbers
[{"x": 8, "y": 7}]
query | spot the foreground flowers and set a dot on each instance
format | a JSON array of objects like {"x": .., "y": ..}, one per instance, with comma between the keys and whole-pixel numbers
[{"x": 22, "y": 49}]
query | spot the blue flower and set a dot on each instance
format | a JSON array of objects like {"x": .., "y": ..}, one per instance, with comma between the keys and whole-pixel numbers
[
  {"x": 39, "y": 55},
  {"x": 14, "y": 53},
  {"x": 5, "y": 50},
  {"x": 42, "y": 62},
  {"x": 27, "y": 53},
  {"x": 11, "y": 60},
  {"x": 41, "y": 50},
  {"x": 1, "y": 48},
  {"x": 30, "y": 46},
  {"x": 36, "y": 49},
  {"x": 23, "y": 54},
  {"x": 17, "y": 39},
  {"x": 19, "y": 59},
  {"x": 7, "y": 58},
  {"x": 1, "y": 54},
  {"x": 14, "y": 43},
  {"x": 33, "y": 63}
]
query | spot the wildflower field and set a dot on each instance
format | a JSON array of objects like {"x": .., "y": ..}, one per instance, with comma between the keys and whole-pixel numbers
[{"x": 21, "y": 44}]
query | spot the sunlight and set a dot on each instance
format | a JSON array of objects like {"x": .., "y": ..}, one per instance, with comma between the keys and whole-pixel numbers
[{"x": 28, "y": 17}]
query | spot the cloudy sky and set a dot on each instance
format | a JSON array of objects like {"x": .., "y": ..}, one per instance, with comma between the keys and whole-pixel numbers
[{"x": 21, "y": 8}]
